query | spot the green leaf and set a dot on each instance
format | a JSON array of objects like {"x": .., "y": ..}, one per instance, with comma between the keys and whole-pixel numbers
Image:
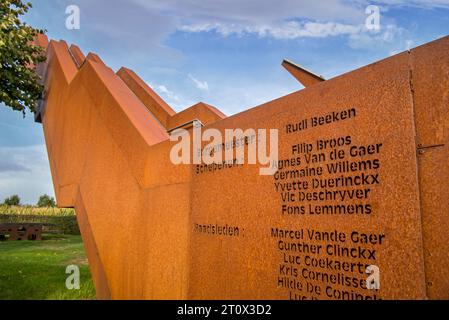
[{"x": 19, "y": 84}]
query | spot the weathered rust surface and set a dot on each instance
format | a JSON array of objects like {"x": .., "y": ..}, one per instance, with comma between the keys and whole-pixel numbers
[
  {"x": 77, "y": 55},
  {"x": 155, "y": 230},
  {"x": 430, "y": 87},
  {"x": 305, "y": 77}
]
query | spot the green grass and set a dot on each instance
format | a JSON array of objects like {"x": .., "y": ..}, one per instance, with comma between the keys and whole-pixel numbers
[{"x": 36, "y": 269}]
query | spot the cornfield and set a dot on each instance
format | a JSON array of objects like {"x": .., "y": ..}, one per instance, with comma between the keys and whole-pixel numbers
[
  {"x": 35, "y": 211},
  {"x": 63, "y": 219}
]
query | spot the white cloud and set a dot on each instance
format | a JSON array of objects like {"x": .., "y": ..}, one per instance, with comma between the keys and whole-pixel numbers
[
  {"x": 390, "y": 36},
  {"x": 141, "y": 27},
  {"x": 414, "y": 3},
  {"x": 175, "y": 101},
  {"x": 161, "y": 89},
  {"x": 25, "y": 172},
  {"x": 285, "y": 19},
  {"x": 238, "y": 94},
  {"x": 407, "y": 45},
  {"x": 255, "y": 12},
  {"x": 284, "y": 30},
  {"x": 202, "y": 85}
]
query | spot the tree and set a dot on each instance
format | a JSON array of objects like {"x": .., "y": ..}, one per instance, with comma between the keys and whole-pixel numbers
[
  {"x": 19, "y": 84},
  {"x": 12, "y": 200},
  {"x": 46, "y": 201}
]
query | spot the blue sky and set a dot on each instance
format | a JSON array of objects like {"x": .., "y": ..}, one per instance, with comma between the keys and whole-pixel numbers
[{"x": 224, "y": 52}]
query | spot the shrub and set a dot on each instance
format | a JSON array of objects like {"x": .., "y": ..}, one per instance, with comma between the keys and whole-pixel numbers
[
  {"x": 12, "y": 200},
  {"x": 45, "y": 201}
]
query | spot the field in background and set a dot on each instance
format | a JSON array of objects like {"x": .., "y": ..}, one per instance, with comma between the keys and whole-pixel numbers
[
  {"x": 36, "y": 269},
  {"x": 64, "y": 220},
  {"x": 30, "y": 210}
]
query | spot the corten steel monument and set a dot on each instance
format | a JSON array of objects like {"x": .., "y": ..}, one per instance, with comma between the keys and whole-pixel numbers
[{"x": 362, "y": 181}]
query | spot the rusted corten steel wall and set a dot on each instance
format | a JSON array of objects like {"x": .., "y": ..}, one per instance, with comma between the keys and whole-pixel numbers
[
  {"x": 107, "y": 136},
  {"x": 107, "y": 145}
]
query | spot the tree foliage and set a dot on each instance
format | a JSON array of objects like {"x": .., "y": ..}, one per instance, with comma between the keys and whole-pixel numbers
[
  {"x": 12, "y": 200},
  {"x": 46, "y": 201},
  {"x": 19, "y": 84}
]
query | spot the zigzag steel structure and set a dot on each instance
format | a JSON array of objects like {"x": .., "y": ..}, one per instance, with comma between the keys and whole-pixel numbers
[
  {"x": 107, "y": 136},
  {"x": 92, "y": 114}
]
